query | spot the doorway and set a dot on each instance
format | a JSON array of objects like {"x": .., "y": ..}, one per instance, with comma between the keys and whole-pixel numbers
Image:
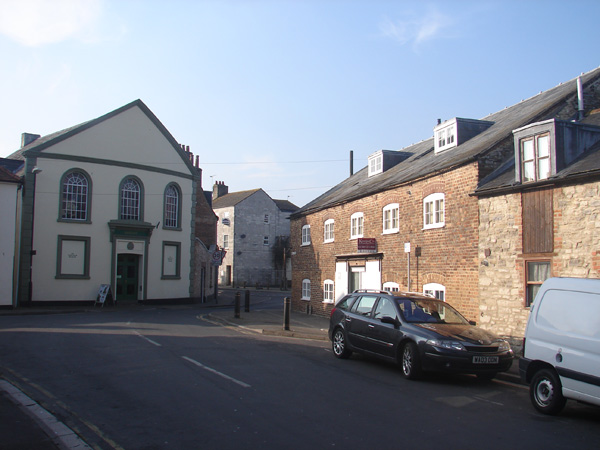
[{"x": 127, "y": 277}]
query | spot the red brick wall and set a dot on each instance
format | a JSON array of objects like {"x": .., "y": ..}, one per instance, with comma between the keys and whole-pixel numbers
[{"x": 448, "y": 255}]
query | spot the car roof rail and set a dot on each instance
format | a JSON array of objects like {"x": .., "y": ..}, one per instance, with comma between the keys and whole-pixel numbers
[{"x": 370, "y": 291}]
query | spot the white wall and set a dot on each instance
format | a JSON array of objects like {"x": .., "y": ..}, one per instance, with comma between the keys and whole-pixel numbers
[{"x": 8, "y": 206}]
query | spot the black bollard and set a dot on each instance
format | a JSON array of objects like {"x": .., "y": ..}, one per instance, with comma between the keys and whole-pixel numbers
[
  {"x": 287, "y": 302},
  {"x": 237, "y": 305},
  {"x": 247, "y": 301}
]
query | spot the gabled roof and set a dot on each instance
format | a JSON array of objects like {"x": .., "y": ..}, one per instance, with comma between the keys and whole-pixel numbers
[
  {"x": 228, "y": 200},
  {"x": 285, "y": 205},
  {"x": 424, "y": 162},
  {"x": 49, "y": 140}
]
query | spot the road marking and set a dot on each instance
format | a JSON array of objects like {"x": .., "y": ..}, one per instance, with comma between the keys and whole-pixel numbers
[
  {"x": 216, "y": 372},
  {"x": 147, "y": 339}
]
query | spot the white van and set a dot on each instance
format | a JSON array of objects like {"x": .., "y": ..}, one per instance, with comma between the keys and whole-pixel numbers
[{"x": 561, "y": 348}]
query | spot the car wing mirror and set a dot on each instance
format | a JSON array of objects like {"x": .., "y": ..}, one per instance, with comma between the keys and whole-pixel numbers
[{"x": 391, "y": 320}]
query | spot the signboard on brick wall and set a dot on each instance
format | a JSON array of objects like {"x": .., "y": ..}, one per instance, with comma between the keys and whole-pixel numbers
[{"x": 367, "y": 245}]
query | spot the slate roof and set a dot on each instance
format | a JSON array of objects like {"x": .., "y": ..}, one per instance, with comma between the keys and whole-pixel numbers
[
  {"x": 424, "y": 162},
  {"x": 7, "y": 176},
  {"x": 12, "y": 165},
  {"x": 228, "y": 200},
  {"x": 49, "y": 140},
  {"x": 234, "y": 198}
]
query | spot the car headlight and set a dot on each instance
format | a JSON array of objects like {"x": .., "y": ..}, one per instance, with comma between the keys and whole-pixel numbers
[
  {"x": 443, "y": 343},
  {"x": 503, "y": 346}
]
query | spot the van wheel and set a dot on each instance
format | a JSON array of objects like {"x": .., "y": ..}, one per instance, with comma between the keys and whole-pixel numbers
[
  {"x": 338, "y": 345},
  {"x": 545, "y": 392},
  {"x": 410, "y": 361}
]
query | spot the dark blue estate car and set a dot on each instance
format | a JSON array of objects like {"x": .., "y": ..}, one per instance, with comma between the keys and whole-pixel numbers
[{"x": 420, "y": 333}]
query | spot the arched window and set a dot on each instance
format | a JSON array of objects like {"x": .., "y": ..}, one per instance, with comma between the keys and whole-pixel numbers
[
  {"x": 75, "y": 198},
  {"x": 306, "y": 235},
  {"x": 306, "y": 289},
  {"x": 434, "y": 211},
  {"x": 436, "y": 290},
  {"x": 329, "y": 230},
  {"x": 130, "y": 204},
  {"x": 172, "y": 215},
  {"x": 391, "y": 223},
  {"x": 356, "y": 225}
]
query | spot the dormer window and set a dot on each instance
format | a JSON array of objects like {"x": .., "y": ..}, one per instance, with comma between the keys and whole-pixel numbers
[
  {"x": 457, "y": 131},
  {"x": 535, "y": 157},
  {"x": 445, "y": 137},
  {"x": 375, "y": 163}
]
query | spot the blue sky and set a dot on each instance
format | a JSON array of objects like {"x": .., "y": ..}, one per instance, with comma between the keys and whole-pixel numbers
[{"x": 275, "y": 94}]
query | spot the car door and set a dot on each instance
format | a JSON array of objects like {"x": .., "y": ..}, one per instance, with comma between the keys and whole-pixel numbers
[
  {"x": 383, "y": 336},
  {"x": 358, "y": 320}
]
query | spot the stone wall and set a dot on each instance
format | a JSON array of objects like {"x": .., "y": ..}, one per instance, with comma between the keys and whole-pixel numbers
[{"x": 502, "y": 273}]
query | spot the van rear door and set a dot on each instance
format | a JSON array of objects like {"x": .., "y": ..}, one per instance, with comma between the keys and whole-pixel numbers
[{"x": 567, "y": 335}]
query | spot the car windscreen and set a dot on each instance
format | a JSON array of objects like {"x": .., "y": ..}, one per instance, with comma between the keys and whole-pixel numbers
[{"x": 429, "y": 311}]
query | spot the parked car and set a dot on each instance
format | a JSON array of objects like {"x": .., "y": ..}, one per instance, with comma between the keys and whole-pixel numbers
[
  {"x": 561, "y": 347},
  {"x": 418, "y": 332}
]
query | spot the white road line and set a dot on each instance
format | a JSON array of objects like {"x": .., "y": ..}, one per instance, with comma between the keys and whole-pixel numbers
[
  {"x": 147, "y": 339},
  {"x": 216, "y": 372}
]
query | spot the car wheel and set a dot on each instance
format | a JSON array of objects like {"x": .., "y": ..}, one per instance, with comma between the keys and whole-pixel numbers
[
  {"x": 338, "y": 345},
  {"x": 545, "y": 392},
  {"x": 410, "y": 361}
]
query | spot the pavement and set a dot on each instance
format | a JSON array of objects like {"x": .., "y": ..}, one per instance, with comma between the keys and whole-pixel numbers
[{"x": 25, "y": 424}]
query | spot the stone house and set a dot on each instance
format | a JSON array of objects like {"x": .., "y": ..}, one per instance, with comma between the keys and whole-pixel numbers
[
  {"x": 540, "y": 217},
  {"x": 410, "y": 220},
  {"x": 112, "y": 201},
  {"x": 254, "y": 230},
  {"x": 10, "y": 203}
]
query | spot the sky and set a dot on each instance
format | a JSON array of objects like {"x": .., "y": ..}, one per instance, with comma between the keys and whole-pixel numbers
[{"x": 276, "y": 94}]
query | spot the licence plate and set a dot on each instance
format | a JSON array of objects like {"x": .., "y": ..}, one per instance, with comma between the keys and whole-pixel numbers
[{"x": 485, "y": 360}]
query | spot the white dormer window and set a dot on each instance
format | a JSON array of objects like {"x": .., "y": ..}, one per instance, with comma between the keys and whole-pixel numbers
[
  {"x": 375, "y": 163},
  {"x": 445, "y": 136}
]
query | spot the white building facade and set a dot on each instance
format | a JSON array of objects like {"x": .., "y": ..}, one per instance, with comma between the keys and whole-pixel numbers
[{"x": 110, "y": 201}]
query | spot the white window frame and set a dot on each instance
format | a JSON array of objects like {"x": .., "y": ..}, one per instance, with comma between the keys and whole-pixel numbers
[
  {"x": 435, "y": 289},
  {"x": 328, "y": 291},
  {"x": 536, "y": 160},
  {"x": 267, "y": 219},
  {"x": 305, "y": 289},
  {"x": 329, "y": 231},
  {"x": 306, "y": 235},
  {"x": 434, "y": 211},
  {"x": 357, "y": 225},
  {"x": 266, "y": 240},
  {"x": 445, "y": 136},
  {"x": 391, "y": 224},
  {"x": 225, "y": 241},
  {"x": 375, "y": 164},
  {"x": 391, "y": 286}
]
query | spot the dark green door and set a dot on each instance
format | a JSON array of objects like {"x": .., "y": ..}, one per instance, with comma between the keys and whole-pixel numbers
[{"x": 127, "y": 277}]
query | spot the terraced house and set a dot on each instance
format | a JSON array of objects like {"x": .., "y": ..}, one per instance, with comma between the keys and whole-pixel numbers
[{"x": 421, "y": 218}]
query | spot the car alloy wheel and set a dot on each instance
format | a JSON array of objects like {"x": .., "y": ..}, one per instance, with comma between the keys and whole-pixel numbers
[
  {"x": 545, "y": 392},
  {"x": 339, "y": 345},
  {"x": 411, "y": 362}
]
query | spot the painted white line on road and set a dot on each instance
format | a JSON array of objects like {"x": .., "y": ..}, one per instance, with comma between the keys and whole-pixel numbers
[
  {"x": 147, "y": 339},
  {"x": 216, "y": 372}
]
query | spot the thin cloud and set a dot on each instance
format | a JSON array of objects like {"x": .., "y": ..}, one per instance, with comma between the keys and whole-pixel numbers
[
  {"x": 35, "y": 23},
  {"x": 416, "y": 28}
]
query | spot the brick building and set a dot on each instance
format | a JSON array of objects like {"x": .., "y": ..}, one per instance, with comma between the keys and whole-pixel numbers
[{"x": 410, "y": 220}]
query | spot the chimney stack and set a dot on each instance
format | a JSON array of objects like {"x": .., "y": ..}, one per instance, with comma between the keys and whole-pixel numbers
[
  {"x": 219, "y": 190},
  {"x": 28, "y": 138}
]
